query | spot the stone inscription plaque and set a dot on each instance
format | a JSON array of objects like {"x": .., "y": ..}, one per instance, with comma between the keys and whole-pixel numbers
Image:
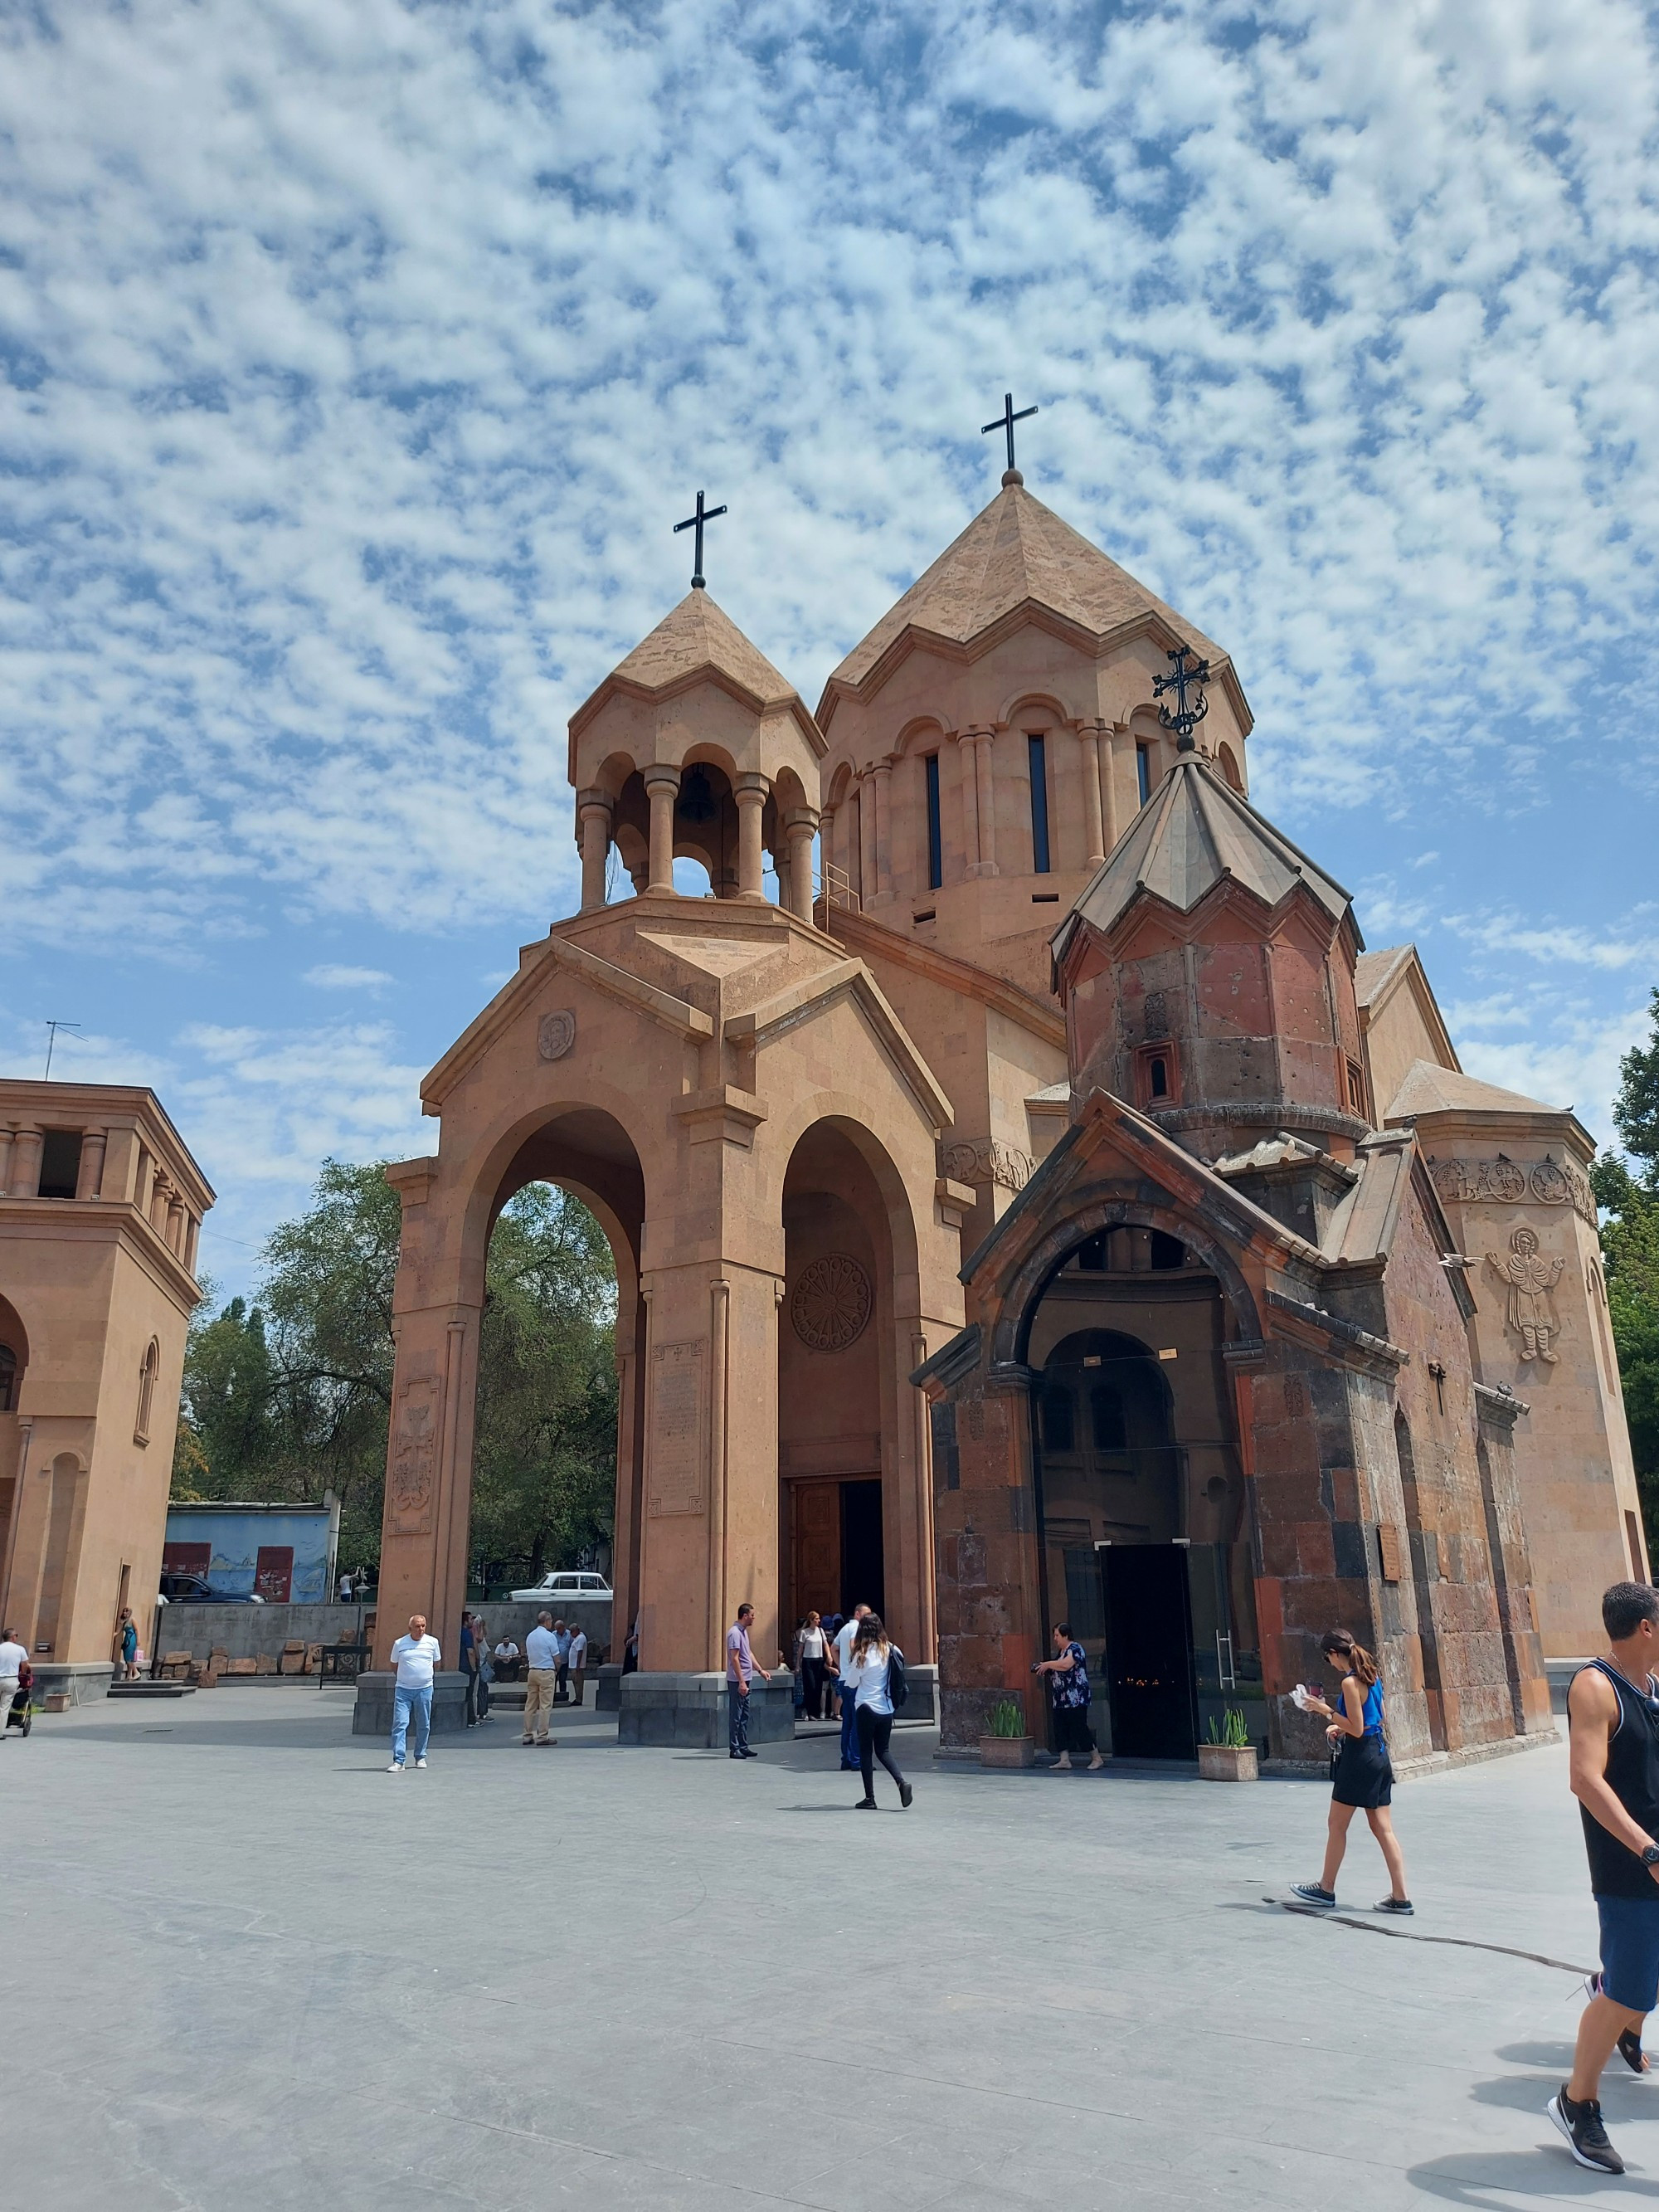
[{"x": 675, "y": 1475}]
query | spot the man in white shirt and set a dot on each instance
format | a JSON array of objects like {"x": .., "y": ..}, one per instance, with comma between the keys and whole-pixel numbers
[
  {"x": 847, "y": 1690},
  {"x": 576, "y": 1660},
  {"x": 541, "y": 1649},
  {"x": 507, "y": 1661},
  {"x": 415, "y": 1657},
  {"x": 13, "y": 1659},
  {"x": 345, "y": 1590}
]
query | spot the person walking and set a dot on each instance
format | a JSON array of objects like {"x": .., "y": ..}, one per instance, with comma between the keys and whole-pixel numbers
[
  {"x": 470, "y": 1668},
  {"x": 576, "y": 1662},
  {"x": 1068, "y": 1686},
  {"x": 845, "y": 1635},
  {"x": 126, "y": 1645},
  {"x": 541, "y": 1650},
  {"x": 1613, "y": 1721},
  {"x": 486, "y": 1665},
  {"x": 869, "y": 1690},
  {"x": 14, "y": 1658},
  {"x": 814, "y": 1646},
  {"x": 1362, "y": 1774},
  {"x": 740, "y": 1672},
  {"x": 415, "y": 1657}
]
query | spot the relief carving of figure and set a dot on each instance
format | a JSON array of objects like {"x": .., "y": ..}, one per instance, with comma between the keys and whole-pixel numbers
[{"x": 1528, "y": 1277}]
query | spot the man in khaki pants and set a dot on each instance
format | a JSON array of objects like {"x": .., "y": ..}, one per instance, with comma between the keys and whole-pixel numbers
[{"x": 541, "y": 1649}]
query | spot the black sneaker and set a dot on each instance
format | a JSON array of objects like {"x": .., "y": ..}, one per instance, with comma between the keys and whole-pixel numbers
[
  {"x": 747, "y": 1753},
  {"x": 906, "y": 1793},
  {"x": 866, "y": 1805},
  {"x": 1401, "y": 1907},
  {"x": 1309, "y": 1892},
  {"x": 1582, "y": 2126}
]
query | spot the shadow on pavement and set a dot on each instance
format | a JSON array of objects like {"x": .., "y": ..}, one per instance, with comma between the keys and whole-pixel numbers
[{"x": 1495, "y": 2179}]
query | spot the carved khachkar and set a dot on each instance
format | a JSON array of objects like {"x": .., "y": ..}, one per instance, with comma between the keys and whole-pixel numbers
[
  {"x": 556, "y": 1034},
  {"x": 1529, "y": 1278},
  {"x": 832, "y": 1303},
  {"x": 675, "y": 1458},
  {"x": 415, "y": 1456},
  {"x": 983, "y": 1160},
  {"x": 1513, "y": 1182}
]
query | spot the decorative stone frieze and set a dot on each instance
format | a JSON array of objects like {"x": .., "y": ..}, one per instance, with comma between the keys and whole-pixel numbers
[
  {"x": 986, "y": 1160},
  {"x": 1514, "y": 1182}
]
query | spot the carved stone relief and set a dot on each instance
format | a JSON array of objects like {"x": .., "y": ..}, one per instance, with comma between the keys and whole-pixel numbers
[
  {"x": 832, "y": 1303},
  {"x": 1511, "y": 1182},
  {"x": 415, "y": 1455},
  {"x": 1528, "y": 1277},
  {"x": 983, "y": 1160},
  {"x": 556, "y": 1034},
  {"x": 675, "y": 1475}
]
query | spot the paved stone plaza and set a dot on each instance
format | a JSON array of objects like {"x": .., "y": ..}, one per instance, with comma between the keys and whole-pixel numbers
[{"x": 245, "y": 1970}]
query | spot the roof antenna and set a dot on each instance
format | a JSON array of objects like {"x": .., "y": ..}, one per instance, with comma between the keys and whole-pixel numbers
[{"x": 52, "y": 1028}]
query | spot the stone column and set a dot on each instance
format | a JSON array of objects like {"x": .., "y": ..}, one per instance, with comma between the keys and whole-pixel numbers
[
  {"x": 883, "y": 773},
  {"x": 662, "y": 784},
  {"x": 868, "y": 879},
  {"x": 749, "y": 791},
  {"x": 174, "y": 1231},
  {"x": 985, "y": 801},
  {"x": 593, "y": 815},
  {"x": 160, "y": 1198},
  {"x": 965, "y": 778},
  {"x": 26, "y": 1162},
  {"x": 1106, "y": 749},
  {"x": 827, "y": 831},
  {"x": 1089, "y": 737},
  {"x": 89, "y": 1181},
  {"x": 5, "y": 1160},
  {"x": 798, "y": 831}
]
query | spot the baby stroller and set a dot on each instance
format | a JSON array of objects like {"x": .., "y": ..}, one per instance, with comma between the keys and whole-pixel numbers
[{"x": 18, "y": 1715}]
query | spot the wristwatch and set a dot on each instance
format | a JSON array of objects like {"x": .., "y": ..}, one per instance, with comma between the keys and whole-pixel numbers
[{"x": 1650, "y": 1857}]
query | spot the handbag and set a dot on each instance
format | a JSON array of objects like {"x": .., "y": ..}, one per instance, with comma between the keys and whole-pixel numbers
[{"x": 898, "y": 1687}]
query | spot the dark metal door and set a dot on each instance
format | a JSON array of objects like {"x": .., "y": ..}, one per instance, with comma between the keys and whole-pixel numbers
[{"x": 1149, "y": 1650}]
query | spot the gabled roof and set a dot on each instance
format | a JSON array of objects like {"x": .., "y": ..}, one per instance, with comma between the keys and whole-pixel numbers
[
  {"x": 698, "y": 639},
  {"x": 1194, "y": 832},
  {"x": 1017, "y": 552},
  {"x": 1430, "y": 1090},
  {"x": 1375, "y": 971}
]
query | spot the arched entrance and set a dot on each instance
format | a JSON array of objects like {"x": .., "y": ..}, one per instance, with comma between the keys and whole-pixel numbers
[{"x": 1140, "y": 1497}]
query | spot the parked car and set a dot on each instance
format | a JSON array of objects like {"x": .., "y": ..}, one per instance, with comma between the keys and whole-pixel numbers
[
  {"x": 566, "y": 1585},
  {"x": 195, "y": 1589}
]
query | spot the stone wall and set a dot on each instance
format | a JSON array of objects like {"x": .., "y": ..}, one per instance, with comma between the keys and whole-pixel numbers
[{"x": 247, "y": 1631}]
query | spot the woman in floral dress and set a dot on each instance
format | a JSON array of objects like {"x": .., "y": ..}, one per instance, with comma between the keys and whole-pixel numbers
[{"x": 1068, "y": 1685}]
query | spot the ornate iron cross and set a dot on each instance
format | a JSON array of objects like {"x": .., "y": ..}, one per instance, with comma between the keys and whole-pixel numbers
[
  {"x": 1006, "y": 420},
  {"x": 1188, "y": 677},
  {"x": 695, "y": 522}
]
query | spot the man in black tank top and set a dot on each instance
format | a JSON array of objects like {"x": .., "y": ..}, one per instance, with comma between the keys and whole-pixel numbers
[{"x": 1612, "y": 1711}]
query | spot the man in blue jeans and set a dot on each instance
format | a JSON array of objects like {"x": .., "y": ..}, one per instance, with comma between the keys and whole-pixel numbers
[
  {"x": 740, "y": 1671},
  {"x": 847, "y": 1692},
  {"x": 414, "y": 1656}
]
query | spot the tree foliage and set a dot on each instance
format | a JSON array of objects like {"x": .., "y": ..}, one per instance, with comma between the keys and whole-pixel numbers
[
  {"x": 290, "y": 1394},
  {"x": 1627, "y": 1190}
]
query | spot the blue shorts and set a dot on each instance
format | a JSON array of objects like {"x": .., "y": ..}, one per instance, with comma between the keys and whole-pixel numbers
[{"x": 1630, "y": 1951}]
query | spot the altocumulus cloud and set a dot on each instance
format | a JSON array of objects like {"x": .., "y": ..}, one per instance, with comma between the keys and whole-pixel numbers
[{"x": 357, "y": 354}]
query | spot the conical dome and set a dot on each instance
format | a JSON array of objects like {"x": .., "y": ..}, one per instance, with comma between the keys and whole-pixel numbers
[{"x": 699, "y": 637}]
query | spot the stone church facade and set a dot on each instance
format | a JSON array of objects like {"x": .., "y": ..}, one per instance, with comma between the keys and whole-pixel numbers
[{"x": 1050, "y": 1212}]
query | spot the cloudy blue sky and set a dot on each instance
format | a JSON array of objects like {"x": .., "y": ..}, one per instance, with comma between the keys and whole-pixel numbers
[{"x": 358, "y": 358}]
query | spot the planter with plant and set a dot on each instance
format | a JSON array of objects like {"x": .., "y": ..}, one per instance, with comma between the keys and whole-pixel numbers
[
  {"x": 1006, "y": 1742},
  {"x": 1228, "y": 1756}
]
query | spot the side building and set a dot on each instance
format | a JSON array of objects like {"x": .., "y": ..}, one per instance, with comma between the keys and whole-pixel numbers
[{"x": 100, "y": 1210}]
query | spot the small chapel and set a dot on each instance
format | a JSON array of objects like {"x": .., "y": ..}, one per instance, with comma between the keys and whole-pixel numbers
[{"x": 1042, "y": 1206}]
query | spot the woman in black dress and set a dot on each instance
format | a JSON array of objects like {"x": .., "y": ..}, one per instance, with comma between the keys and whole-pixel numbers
[{"x": 1362, "y": 1774}]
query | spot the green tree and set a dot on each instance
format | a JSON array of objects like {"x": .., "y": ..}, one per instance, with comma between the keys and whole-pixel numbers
[
  {"x": 291, "y": 1396},
  {"x": 1630, "y": 1248}
]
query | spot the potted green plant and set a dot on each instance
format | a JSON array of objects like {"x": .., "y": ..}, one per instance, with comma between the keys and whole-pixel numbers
[
  {"x": 1228, "y": 1756},
  {"x": 1006, "y": 1742}
]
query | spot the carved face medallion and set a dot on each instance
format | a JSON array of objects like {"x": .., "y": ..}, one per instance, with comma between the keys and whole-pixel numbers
[
  {"x": 831, "y": 1305},
  {"x": 556, "y": 1034}
]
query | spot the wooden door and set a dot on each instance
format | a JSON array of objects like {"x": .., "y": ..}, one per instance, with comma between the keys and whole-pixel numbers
[
  {"x": 273, "y": 1573},
  {"x": 815, "y": 1550}
]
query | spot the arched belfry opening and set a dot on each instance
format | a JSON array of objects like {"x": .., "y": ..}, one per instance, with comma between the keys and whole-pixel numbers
[{"x": 1140, "y": 1492}]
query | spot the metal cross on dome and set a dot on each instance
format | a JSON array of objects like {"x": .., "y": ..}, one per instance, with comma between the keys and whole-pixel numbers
[
  {"x": 695, "y": 522},
  {"x": 1188, "y": 675},
  {"x": 1006, "y": 420}
]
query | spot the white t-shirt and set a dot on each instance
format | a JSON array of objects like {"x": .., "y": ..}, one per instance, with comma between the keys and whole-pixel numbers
[
  {"x": 578, "y": 1650},
  {"x": 506, "y": 1650},
  {"x": 12, "y": 1656},
  {"x": 541, "y": 1648},
  {"x": 415, "y": 1657},
  {"x": 844, "y": 1636},
  {"x": 811, "y": 1643},
  {"x": 869, "y": 1677}
]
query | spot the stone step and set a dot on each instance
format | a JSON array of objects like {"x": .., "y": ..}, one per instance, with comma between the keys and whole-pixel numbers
[{"x": 152, "y": 1690}]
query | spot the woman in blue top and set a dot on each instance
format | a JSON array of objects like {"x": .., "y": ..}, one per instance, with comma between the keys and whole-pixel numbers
[{"x": 1362, "y": 1775}]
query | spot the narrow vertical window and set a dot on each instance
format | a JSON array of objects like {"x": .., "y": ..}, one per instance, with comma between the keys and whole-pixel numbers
[
  {"x": 935, "y": 840},
  {"x": 1037, "y": 753},
  {"x": 1143, "y": 772}
]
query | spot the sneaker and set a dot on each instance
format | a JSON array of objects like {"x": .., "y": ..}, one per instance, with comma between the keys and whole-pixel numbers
[
  {"x": 1309, "y": 1892},
  {"x": 396, "y": 1767},
  {"x": 734, "y": 1754},
  {"x": 747, "y": 1753},
  {"x": 1586, "y": 2137},
  {"x": 419, "y": 1762},
  {"x": 906, "y": 1793},
  {"x": 865, "y": 1805},
  {"x": 1401, "y": 1907},
  {"x": 526, "y": 1740}
]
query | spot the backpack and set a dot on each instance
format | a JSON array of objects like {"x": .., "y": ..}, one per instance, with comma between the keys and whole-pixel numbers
[{"x": 898, "y": 1688}]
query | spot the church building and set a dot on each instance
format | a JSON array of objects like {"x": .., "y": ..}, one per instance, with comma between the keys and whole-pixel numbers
[{"x": 1047, "y": 1210}]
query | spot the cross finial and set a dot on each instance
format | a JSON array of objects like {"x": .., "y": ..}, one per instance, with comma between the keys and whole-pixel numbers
[
  {"x": 1187, "y": 673},
  {"x": 1006, "y": 420},
  {"x": 695, "y": 522}
]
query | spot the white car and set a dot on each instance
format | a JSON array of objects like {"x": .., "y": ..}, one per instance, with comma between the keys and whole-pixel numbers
[{"x": 565, "y": 1586}]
